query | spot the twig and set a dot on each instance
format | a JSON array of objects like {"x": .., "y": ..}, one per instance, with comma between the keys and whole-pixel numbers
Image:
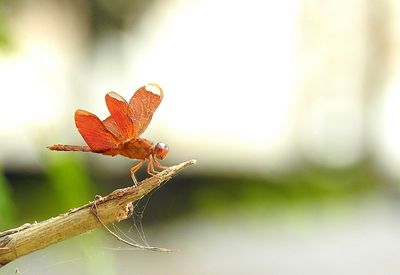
[{"x": 25, "y": 239}]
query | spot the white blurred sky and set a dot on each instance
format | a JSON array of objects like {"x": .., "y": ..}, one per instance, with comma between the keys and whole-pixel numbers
[{"x": 254, "y": 85}]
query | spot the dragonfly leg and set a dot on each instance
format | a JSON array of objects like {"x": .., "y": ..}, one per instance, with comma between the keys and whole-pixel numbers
[
  {"x": 150, "y": 167},
  {"x": 134, "y": 169},
  {"x": 159, "y": 165}
]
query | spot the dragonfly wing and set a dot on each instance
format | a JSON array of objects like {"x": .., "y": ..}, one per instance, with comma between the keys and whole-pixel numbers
[
  {"x": 93, "y": 131},
  {"x": 112, "y": 126},
  {"x": 121, "y": 116},
  {"x": 143, "y": 104}
]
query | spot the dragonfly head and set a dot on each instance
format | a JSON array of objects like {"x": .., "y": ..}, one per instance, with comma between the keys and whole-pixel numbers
[{"x": 161, "y": 150}]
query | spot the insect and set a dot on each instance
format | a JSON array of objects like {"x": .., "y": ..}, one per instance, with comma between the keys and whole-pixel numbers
[{"x": 119, "y": 134}]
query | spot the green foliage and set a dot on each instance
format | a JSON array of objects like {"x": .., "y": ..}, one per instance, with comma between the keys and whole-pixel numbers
[
  {"x": 7, "y": 207},
  {"x": 5, "y": 40},
  {"x": 305, "y": 186},
  {"x": 67, "y": 175}
]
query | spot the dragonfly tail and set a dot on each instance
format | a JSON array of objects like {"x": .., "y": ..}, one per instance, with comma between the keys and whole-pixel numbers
[{"x": 60, "y": 147}]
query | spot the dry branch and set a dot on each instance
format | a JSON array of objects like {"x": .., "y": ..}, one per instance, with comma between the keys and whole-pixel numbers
[{"x": 116, "y": 206}]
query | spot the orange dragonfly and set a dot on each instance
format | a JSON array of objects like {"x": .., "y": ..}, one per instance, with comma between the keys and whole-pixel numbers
[{"x": 119, "y": 134}]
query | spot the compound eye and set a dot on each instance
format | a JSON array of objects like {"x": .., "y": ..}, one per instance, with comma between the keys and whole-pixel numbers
[
  {"x": 161, "y": 146},
  {"x": 161, "y": 150}
]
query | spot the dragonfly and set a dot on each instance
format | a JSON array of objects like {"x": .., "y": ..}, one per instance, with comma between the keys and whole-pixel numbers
[{"x": 119, "y": 134}]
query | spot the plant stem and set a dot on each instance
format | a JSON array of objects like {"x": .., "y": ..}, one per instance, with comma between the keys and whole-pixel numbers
[{"x": 116, "y": 206}]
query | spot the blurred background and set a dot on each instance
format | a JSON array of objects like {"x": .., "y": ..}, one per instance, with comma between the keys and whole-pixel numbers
[{"x": 291, "y": 109}]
